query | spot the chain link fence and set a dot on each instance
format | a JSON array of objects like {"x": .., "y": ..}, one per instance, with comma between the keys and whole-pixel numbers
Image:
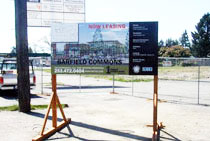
[{"x": 181, "y": 80}]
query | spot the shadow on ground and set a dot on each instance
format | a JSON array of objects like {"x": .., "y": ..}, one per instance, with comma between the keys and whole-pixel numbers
[
  {"x": 67, "y": 87},
  {"x": 164, "y": 135},
  {"x": 124, "y": 134},
  {"x": 12, "y": 94}
]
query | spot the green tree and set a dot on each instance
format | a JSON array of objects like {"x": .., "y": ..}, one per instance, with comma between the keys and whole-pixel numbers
[
  {"x": 162, "y": 51},
  {"x": 201, "y": 37},
  {"x": 184, "y": 40},
  {"x": 170, "y": 42},
  {"x": 161, "y": 44},
  {"x": 175, "y": 51}
]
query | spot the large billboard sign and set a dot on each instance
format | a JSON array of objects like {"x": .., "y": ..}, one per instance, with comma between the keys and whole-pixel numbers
[
  {"x": 45, "y": 12},
  {"x": 105, "y": 48}
]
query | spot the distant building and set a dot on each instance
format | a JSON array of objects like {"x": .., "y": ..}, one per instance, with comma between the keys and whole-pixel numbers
[
  {"x": 108, "y": 48},
  {"x": 94, "y": 49}
]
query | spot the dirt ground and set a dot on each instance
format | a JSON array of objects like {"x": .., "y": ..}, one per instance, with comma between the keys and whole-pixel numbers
[
  {"x": 110, "y": 117},
  {"x": 98, "y": 115}
]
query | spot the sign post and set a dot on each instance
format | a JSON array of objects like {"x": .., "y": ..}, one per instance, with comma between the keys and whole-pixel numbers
[
  {"x": 54, "y": 102},
  {"x": 155, "y": 109}
]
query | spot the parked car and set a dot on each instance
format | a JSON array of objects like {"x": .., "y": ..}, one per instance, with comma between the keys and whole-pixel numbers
[{"x": 8, "y": 74}]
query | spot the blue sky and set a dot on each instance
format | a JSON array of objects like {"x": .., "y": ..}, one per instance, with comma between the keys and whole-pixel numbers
[{"x": 174, "y": 16}]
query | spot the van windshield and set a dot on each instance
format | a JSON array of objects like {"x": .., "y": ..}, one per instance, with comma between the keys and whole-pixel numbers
[{"x": 11, "y": 65}]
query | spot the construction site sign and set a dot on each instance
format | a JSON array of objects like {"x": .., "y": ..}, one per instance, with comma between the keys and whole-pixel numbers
[{"x": 105, "y": 48}]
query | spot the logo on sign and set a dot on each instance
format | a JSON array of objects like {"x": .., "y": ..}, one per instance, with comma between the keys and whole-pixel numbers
[
  {"x": 136, "y": 69},
  {"x": 147, "y": 69}
]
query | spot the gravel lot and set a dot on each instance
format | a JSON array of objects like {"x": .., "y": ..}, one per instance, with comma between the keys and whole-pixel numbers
[{"x": 98, "y": 115}]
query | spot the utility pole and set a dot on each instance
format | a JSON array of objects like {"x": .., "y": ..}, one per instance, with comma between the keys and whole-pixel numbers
[{"x": 22, "y": 55}]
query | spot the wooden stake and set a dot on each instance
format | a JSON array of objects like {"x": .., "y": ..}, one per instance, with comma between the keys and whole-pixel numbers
[
  {"x": 61, "y": 109},
  {"x": 155, "y": 105},
  {"x": 54, "y": 108},
  {"x": 47, "y": 114},
  {"x": 53, "y": 104}
]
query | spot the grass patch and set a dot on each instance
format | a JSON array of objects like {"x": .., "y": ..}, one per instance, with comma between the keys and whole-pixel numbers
[
  {"x": 44, "y": 70},
  {"x": 183, "y": 73},
  {"x": 33, "y": 107},
  {"x": 9, "y": 108},
  {"x": 164, "y": 73},
  {"x": 124, "y": 78},
  {"x": 177, "y": 69},
  {"x": 47, "y": 70},
  {"x": 58, "y": 83}
]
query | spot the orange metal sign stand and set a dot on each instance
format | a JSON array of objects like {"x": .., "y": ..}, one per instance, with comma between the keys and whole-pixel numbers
[{"x": 54, "y": 102}]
